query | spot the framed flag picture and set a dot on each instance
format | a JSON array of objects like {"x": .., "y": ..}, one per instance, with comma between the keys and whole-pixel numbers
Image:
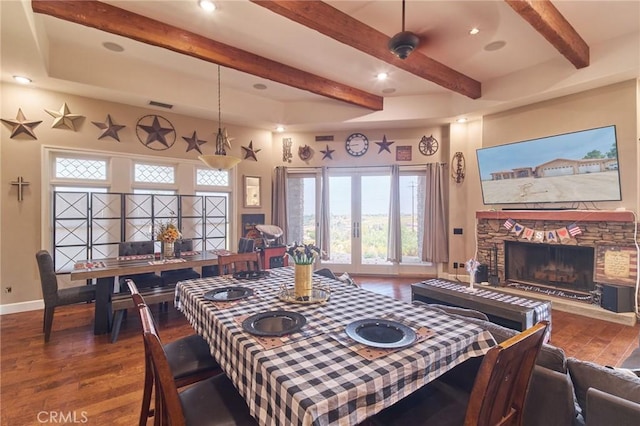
[{"x": 616, "y": 265}]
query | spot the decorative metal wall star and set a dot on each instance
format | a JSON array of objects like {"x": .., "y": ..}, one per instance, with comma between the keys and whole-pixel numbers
[
  {"x": 21, "y": 125},
  {"x": 109, "y": 128},
  {"x": 384, "y": 145},
  {"x": 156, "y": 132},
  {"x": 249, "y": 152},
  {"x": 327, "y": 153},
  {"x": 194, "y": 142},
  {"x": 64, "y": 118}
]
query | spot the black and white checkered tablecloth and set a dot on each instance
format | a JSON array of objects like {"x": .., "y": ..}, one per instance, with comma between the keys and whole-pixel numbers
[
  {"x": 314, "y": 379},
  {"x": 542, "y": 309}
]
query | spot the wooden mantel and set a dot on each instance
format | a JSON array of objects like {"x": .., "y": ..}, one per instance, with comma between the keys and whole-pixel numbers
[{"x": 569, "y": 215}]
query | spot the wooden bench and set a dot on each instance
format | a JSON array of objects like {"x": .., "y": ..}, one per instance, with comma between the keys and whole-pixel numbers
[
  {"x": 505, "y": 313},
  {"x": 120, "y": 302}
]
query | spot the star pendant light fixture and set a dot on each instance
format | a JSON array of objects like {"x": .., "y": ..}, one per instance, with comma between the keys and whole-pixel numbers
[
  {"x": 403, "y": 43},
  {"x": 220, "y": 160}
]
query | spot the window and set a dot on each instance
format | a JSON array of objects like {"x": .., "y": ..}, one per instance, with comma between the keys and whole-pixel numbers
[
  {"x": 80, "y": 169},
  {"x": 412, "y": 193},
  {"x": 209, "y": 177},
  {"x": 153, "y": 173},
  {"x": 301, "y": 206}
]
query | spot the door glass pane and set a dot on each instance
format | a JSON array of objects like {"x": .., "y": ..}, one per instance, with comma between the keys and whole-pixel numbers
[
  {"x": 301, "y": 208},
  {"x": 340, "y": 218},
  {"x": 374, "y": 225},
  {"x": 412, "y": 217}
]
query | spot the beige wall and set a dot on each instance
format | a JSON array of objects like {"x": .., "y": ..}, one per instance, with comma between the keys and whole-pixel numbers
[{"x": 21, "y": 234}]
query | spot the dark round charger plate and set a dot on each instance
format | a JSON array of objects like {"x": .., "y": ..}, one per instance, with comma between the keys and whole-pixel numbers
[
  {"x": 228, "y": 294},
  {"x": 274, "y": 323},
  {"x": 250, "y": 275},
  {"x": 381, "y": 333}
]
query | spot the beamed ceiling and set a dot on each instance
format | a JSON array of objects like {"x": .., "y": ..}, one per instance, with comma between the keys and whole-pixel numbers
[{"x": 318, "y": 59}]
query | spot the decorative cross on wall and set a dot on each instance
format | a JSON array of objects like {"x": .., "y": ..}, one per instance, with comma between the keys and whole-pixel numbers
[{"x": 20, "y": 183}]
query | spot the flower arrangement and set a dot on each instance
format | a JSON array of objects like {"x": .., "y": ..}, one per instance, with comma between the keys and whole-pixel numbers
[
  {"x": 302, "y": 254},
  {"x": 168, "y": 233}
]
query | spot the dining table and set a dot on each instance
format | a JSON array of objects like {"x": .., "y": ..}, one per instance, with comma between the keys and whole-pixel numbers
[
  {"x": 105, "y": 271},
  {"x": 323, "y": 372}
]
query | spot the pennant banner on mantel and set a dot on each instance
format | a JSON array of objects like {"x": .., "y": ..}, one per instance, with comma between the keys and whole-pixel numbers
[{"x": 561, "y": 235}]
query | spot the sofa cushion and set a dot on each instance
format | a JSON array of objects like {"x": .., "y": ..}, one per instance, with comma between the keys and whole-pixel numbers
[
  {"x": 587, "y": 375},
  {"x": 553, "y": 358}
]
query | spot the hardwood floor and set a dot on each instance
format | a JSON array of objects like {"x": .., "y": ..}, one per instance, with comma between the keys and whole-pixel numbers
[{"x": 84, "y": 377}]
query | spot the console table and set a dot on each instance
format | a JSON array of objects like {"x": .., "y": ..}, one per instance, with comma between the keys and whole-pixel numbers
[{"x": 514, "y": 312}]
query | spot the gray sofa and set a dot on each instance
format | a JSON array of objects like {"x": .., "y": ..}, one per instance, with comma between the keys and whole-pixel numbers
[{"x": 564, "y": 391}]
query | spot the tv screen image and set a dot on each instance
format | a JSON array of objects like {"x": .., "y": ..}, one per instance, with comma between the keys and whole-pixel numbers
[{"x": 580, "y": 166}]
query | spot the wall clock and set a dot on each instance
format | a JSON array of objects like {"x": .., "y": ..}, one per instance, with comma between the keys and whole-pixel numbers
[
  {"x": 428, "y": 145},
  {"x": 357, "y": 144}
]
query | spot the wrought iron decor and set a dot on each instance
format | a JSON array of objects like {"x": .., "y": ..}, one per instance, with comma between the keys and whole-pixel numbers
[{"x": 89, "y": 225}]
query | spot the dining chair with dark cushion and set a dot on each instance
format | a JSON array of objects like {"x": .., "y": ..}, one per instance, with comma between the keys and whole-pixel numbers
[
  {"x": 233, "y": 263},
  {"x": 188, "y": 357},
  {"x": 134, "y": 248},
  {"x": 213, "y": 401},
  {"x": 496, "y": 398},
  {"x": 172, "y": 277},
  {"x": 325, "y": 272},
  {"x": 245, "y": 245},
  {"x": 54, "y": 296}
]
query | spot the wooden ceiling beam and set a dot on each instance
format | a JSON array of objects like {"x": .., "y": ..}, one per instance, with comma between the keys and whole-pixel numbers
[
  {"x": 549, "y": 22},
  {"x": 345, "y": 29},
  {"x": 118, "y": 21}
]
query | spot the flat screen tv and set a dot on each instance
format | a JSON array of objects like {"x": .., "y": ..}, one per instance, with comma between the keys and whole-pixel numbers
[{"x": 580, "y": 166}]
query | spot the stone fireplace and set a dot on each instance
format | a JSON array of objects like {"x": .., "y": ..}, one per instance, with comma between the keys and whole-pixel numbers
[{"x": 567, "y": 265}]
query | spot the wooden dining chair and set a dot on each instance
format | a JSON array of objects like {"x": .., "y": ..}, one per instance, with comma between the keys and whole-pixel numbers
[
  {"x": 54, "y": 296},
  {"x": 497, "y": 397},
  {"x": 188, "y": 357},
  {"x": 214, "y": 401},
  {"x": 232, "y": 263}
]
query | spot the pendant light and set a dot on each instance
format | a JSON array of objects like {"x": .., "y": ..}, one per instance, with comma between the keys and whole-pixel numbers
[
  {"x": 220, "y": 160},
  {"x": 403, "y": 43}
]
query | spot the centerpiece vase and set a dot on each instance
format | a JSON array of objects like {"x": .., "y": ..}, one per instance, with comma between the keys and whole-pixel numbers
[
  {"x": 168, "y": 249},
  {"x": 303, "y": 281}
]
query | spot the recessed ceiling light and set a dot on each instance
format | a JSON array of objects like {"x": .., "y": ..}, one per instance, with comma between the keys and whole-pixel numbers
[
  {"x": 22, "y": 80},
  {"x": 388, "y": 90},
  {"x": 259, "y": 86},
  {"x": 461, "y": 120},
  {"x": 114, "y": 47},
  {"x": 495, "y": 45},
  {"x": 207, "y": 5},
  {"x": 474, "y": 31},
  {"x": 280, "y": 129},
  {"x": 382, "y": 76}
]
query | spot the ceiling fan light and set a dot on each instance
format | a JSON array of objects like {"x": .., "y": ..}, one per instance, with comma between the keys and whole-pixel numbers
[{"x": 403, "y": 43}]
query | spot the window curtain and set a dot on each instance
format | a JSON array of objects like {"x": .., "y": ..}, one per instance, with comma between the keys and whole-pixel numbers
[
  {"x": 325, "y": 242},
  {"x": 435, "y": 244},
  {"x": 394, "y": 246},
  {"x": 279, "y": 202}
]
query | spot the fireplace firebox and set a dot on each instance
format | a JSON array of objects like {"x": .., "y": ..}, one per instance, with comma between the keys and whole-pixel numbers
[{"x": 559, "y": 266}]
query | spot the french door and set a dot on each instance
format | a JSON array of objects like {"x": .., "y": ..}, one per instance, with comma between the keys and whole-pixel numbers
[{"x": 358, "y": 220}]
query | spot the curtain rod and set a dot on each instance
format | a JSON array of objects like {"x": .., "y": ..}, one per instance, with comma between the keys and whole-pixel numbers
[{"x": 406, "y": 166}]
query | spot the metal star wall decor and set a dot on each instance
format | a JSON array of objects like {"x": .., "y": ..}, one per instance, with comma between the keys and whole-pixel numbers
[
  {"x": 64, "y": 118},
  {"x": 194, "y": 142},
  {"x": 158, "y": 129},
  {"x": 249, "y": 152},
  {"x": 384, "y": 145},
  {"x": 327, "y": 153},
  {"x": 227, "y": 139},
  {"x": 21, "y": 125},
  {"x": 109, "y": 128}
]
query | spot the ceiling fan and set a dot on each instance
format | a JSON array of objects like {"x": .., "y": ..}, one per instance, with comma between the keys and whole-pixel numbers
[{"x": 404, "y": 42}]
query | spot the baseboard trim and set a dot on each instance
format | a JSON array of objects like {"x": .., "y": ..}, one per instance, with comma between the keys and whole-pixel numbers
[{"x": 14, "y": 308}]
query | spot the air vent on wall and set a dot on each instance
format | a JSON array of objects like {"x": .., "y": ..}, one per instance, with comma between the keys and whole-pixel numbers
[{"x": 160, "y": 104}]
